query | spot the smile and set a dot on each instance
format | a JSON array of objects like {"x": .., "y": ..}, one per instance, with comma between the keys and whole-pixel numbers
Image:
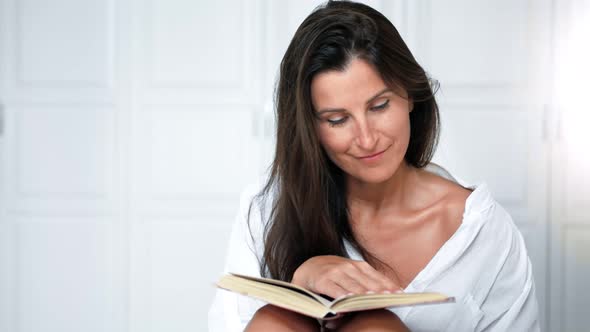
[{"x": 373, "y": 156}]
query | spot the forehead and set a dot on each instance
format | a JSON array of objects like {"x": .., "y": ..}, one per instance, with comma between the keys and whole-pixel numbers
[{"x": 357, "y": 83}]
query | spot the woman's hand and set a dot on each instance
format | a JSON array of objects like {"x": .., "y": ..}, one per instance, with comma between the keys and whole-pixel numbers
[{"x": 337, "y": 276}]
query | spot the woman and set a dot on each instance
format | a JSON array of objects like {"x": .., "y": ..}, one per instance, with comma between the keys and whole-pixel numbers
[{"x": 353, "y": 204}]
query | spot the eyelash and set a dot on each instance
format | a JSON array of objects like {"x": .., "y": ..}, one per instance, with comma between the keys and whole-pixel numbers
[{"x": 340, "y": 122}]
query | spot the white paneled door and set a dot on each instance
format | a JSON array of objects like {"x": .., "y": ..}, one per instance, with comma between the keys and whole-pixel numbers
[
  {"x": 570, "y": 194},
  {"x": 128, "y": 129},
  {"x": 195, "y": 144},
  {"x": 62, "y": 255}
]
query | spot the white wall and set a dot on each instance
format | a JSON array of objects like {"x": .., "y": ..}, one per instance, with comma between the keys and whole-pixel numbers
[{"x": 130, "y": 128}]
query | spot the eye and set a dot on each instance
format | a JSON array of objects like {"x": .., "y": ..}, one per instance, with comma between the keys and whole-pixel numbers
[
  {"x": 337, "y": 122},
  {"x": 380, "y": 106}
]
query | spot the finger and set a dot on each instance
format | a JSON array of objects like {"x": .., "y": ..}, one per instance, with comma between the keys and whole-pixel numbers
[
  {"x": 384, "y": 282},
  {"x": 351, "y": 284},
  {"x": 368, "y": 282},
  {"x": 370, "y": 278},
  {"x": 331, "y": 289}
]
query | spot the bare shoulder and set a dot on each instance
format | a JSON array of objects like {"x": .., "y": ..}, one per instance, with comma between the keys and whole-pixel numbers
[
  {"x": 452, "y": 199},
  {"x": 445, "y": 187},
  {"x": 454, "y": 203},
  {"x": 455, "y": 193}
]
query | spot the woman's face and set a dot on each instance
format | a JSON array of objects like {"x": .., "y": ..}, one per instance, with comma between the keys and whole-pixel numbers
[{"x": 363, "y": 125}]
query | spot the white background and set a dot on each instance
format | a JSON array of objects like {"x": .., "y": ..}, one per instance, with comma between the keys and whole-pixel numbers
[{"x": 130, "y": 127}]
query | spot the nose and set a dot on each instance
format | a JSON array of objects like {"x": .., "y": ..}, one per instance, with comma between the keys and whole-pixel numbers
[{"x": 366, "y": 135}]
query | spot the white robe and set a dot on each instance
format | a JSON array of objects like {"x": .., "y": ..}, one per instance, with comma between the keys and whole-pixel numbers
[{"x": 484, "y": 265}]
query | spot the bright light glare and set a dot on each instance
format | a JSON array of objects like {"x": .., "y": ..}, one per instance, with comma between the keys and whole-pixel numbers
[{"x": 572, "y": 87}]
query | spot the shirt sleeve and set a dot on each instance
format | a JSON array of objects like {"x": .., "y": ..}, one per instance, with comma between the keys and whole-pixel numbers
[
  {"x": 229, "y": 311},
  {"x": 510, "y": 303}
]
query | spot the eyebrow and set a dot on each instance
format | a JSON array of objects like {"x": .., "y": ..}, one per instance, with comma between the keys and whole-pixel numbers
[{"x": 335, "y": 110}]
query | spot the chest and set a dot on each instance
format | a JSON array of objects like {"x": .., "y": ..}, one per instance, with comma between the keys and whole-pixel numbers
[{"x": 406, "y": 248}]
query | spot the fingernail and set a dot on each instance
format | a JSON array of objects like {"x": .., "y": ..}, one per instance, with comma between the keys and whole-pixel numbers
[
  {"x": 370, "y": 292},
  {"x": 343, "y": 296},
  {"x": 385, "y": 292},
  {"x": 399, "y": 291}
]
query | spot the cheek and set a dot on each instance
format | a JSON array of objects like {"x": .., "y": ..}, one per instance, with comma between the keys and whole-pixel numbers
[
  {"x": 334, "y": 140},
  {"x": 395, "y": 126}
]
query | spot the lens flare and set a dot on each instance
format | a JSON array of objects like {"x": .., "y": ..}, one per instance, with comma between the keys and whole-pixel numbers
[{"x": 572, "y": 89}]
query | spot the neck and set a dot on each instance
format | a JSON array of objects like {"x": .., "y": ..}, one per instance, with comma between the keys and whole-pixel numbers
[{"x": 395, "y": 194}]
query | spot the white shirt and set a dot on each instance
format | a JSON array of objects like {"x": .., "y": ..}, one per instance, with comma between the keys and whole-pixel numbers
[{"x": 484, "y": 265}]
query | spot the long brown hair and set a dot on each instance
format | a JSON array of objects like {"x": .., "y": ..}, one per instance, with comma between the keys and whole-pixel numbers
[{"x": 309, "y": 215}]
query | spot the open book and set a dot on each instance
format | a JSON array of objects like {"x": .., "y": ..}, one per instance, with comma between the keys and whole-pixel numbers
[{"x": 298, "y": 299}]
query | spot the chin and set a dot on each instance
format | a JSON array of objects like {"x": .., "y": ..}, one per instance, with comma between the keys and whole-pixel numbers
[{"x": 373, "y": 176}]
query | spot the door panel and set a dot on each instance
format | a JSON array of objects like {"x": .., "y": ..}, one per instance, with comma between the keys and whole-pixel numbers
[
  {"x": 132, "y": 126},
  {"x": 570, "y": 226}
]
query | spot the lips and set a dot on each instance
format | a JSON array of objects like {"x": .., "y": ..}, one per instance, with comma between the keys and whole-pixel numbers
[{"x": 372, "y": 156}]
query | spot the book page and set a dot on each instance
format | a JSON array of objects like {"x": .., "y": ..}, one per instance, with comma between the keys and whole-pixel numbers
[
  {"x": 299, "y": 299},
  {"x": 288, "y": 285},
  {"x": 289, "y": 298},
  {"x": 377, "y": 301}
]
